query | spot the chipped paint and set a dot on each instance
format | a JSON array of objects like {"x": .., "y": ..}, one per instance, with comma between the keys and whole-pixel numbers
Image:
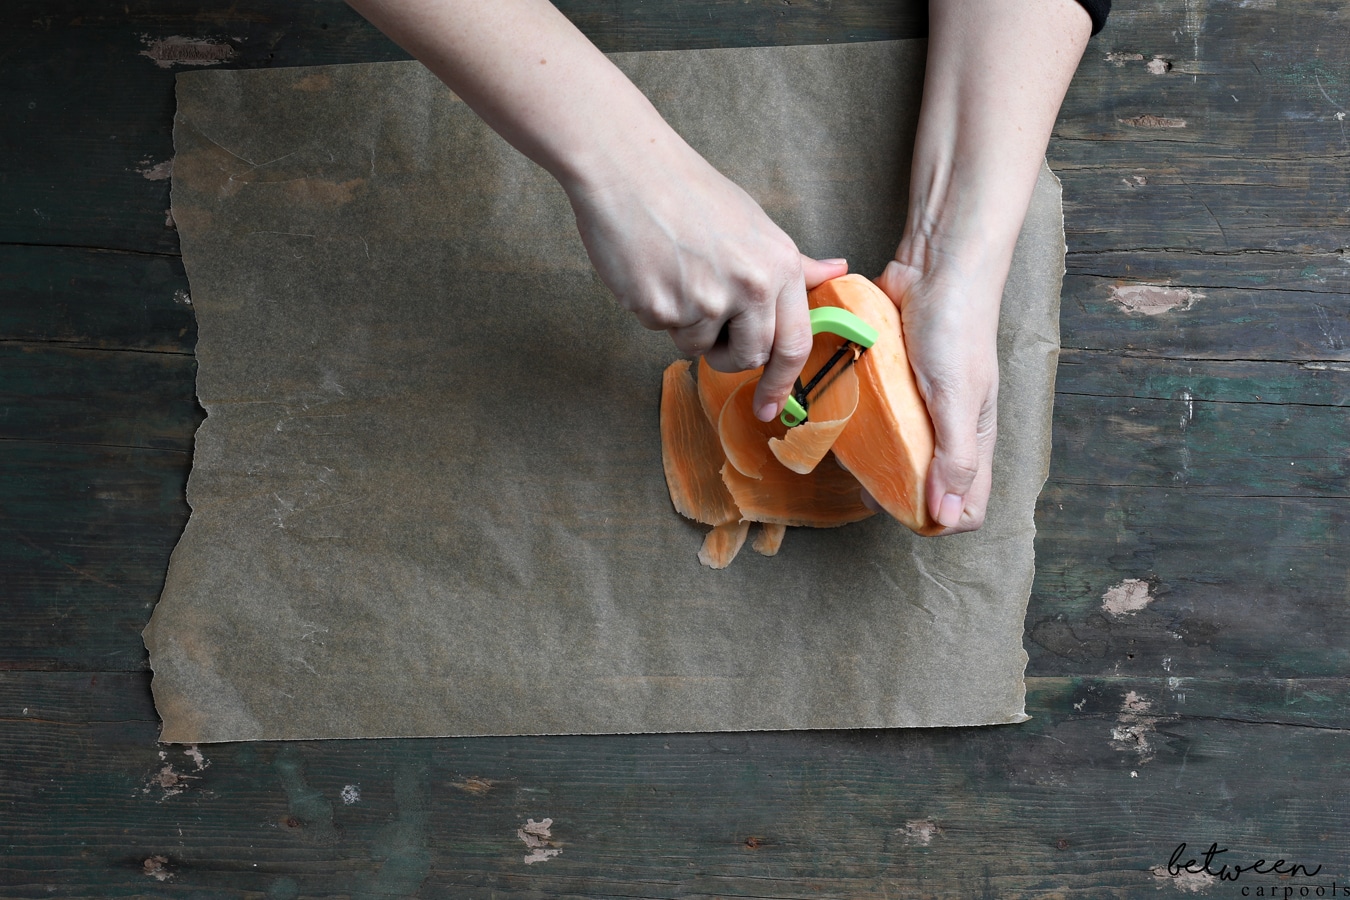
[
  {"x": 160, "y": 171},
  {"x": 1195, "y": 24},
  {"x": 1150, "y": 121},
  {"x": 1154, "y": 299},
  {"x": 1119, "y": 59},
  {"x": 168, "y": 780},
  {"x": 1158, "y": 66},
  {"x": 538, "y": 839},
  {"x": 351, "y": 793},
  {"x": 186, "y": 51},
  {"x": 921, "y": 832},
  {"x": 474, "y": 785},
  {"x": 194, "y": 754},
  {"x": 157, "y": 867},
  {"x": 1188, "y": 411},
  {"x": 1193, "y": 882},
  {"x": 1134, "y": 728},
  {"x": 1127, "y": 598}
]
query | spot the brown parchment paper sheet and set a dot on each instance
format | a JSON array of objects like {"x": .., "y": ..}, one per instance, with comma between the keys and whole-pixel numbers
[{"x": 428, "y": 496}]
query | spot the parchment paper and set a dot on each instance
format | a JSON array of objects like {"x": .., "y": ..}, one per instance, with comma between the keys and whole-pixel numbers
[{"x": 428, "y": 496}]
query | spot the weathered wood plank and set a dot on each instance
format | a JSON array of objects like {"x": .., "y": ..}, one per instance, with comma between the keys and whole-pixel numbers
[
  {"x": 1269, "y": 270},
  {"x": 89, "y": 150},
  {"x": 1254, "y": 81},
  {"x": 1095, "y": 373},
  {"x": 1201, "y": 446},
  {"x": 1086, "y": 800},
  {"x": 1221, "y": 586},
  {"x": 95, "y": 298},
  {"x": 85, "y": 538},
  {"x": 76, "y": 698},
  {"x": 1183, "y": 318},
  {"x": 68, "y": 396},
  {"x": 1205, "y": 126}
]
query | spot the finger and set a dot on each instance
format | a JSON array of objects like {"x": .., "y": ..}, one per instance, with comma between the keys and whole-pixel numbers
[
  {"x": 819, "y": 271},
  {"x": 791, "y": 345},
  {"x": 792, "y": 336},
  {"x": 960, "y": 476},
  {"x": 745, "y": 342},
  {"x": 698, "y": 339}
]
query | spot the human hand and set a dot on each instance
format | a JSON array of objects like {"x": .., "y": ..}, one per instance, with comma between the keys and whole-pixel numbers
[
  {"x": 950, "y": 326},
  {"x": 690, "y": 253}
]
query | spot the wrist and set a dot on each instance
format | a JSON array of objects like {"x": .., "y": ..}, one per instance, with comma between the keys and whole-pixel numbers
[
  {"x": 967, "y": 251},
  {"x": 624, "y": 145}
]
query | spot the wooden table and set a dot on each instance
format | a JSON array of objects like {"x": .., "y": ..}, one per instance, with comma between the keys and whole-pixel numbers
[{"x": 1189, "y": 670}]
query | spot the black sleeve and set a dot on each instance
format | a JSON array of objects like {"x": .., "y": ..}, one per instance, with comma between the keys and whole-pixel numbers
[{"x": 1098, "y": 10}]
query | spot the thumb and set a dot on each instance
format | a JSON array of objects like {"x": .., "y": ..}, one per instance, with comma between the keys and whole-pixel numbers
[
  {"x": 959, "y": 476},
  {"x": 819, "y": 271}
]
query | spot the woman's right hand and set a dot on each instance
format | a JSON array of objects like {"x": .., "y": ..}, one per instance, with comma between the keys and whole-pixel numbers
[{"x": 690, "y": 253}]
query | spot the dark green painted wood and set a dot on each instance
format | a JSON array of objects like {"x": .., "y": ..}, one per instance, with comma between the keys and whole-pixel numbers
[
  {"x": 1244, "y": 587},
  {"x": 1222, "y": 323},
  {"x": 1094, "y": 373},
  {"x": 1203, "y": 447},
  {"x": 76, "y": 144},
  {"x": 95, "y": 298},
  {"x": 999, "y": 812},
  {"x": 123, "y": 398},
  {"x": 85, "y": 537},
  {"x": 1238, "y": 142}
]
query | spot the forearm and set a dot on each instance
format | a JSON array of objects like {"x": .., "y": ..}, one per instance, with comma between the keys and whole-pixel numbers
[
  {"x": 996, "y": 75},
  {"x": 681, "y": 247},
  {"x": 534, "y": 78}
]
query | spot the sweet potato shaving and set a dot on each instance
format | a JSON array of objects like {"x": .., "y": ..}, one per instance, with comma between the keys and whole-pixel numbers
[
  {"x": 715, "y": 387},
  {"x": 832, "y": 405},
  {"x": 826, "y": 498},
  {"x": 691, "y": 453},
  {"x": 721, "y": 545},
  {"x": 745, "y": 439},
  {"x": 769, "y": 539}
]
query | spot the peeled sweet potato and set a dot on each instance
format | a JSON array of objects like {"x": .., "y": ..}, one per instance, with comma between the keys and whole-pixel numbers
[{"x": 888, "y": 443}]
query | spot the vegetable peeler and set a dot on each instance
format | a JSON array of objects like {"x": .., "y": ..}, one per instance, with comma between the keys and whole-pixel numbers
[{"x": 854, "y": 331}]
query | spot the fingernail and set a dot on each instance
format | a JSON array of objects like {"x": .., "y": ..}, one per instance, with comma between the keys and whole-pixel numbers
[
  {"x": 835, "y": 262},
  {"x": 766, "y": 412},
  {"x": 949, "y": 514}
]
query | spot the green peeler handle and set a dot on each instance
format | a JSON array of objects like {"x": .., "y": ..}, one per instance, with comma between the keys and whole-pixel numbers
[
  {"x": 843, "y": 323},
  {"x": 793, "y": 414},
  {"x": 838, "y": 321}
]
